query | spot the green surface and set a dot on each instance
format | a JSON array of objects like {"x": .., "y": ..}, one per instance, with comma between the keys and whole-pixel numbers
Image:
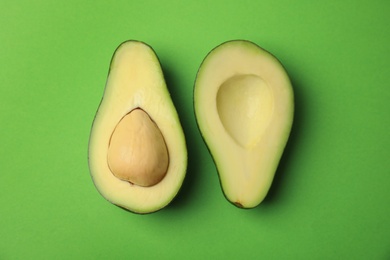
[{"x": 331, "y": 195}]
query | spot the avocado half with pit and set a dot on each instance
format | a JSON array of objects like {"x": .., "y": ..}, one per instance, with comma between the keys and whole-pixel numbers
[
  {"x": 243, "y": 101},
  {"x": 137, "y": 150}
]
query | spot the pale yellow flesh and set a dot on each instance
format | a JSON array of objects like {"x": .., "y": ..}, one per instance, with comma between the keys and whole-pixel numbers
[
  {"x": 136, "y": 81},
  {"x": 137, "y": 152},
  {"x": 244, "y": 108}
]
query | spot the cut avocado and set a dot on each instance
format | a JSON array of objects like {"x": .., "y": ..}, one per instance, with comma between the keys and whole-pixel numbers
[
  {"x": 243, "y": 101},
  {"x": 137, "y": 150}
]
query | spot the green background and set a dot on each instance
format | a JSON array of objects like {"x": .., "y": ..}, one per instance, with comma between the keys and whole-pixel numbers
[{"x": 331, "y": 194}]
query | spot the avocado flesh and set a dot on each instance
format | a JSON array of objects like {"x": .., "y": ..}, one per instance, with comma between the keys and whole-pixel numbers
[
  {"x": 136, "y": 81},
  {"x": 243, "y": 101}
]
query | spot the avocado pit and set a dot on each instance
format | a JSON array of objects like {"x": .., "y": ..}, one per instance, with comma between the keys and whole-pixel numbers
[{"x": 137, "y": 151}]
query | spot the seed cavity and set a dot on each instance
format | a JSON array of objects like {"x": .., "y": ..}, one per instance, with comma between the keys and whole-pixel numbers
[{"x": 245, "y": 105}]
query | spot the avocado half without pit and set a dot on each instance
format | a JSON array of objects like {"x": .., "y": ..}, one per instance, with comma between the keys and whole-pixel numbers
[
  {"x": 137, "y": 150},
  {"x": 243, "y": 101}
]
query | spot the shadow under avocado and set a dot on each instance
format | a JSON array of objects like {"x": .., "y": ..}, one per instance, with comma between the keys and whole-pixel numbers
[
  {"x": 291, "y": 146},
  {"x": 189, "y": 128}
]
